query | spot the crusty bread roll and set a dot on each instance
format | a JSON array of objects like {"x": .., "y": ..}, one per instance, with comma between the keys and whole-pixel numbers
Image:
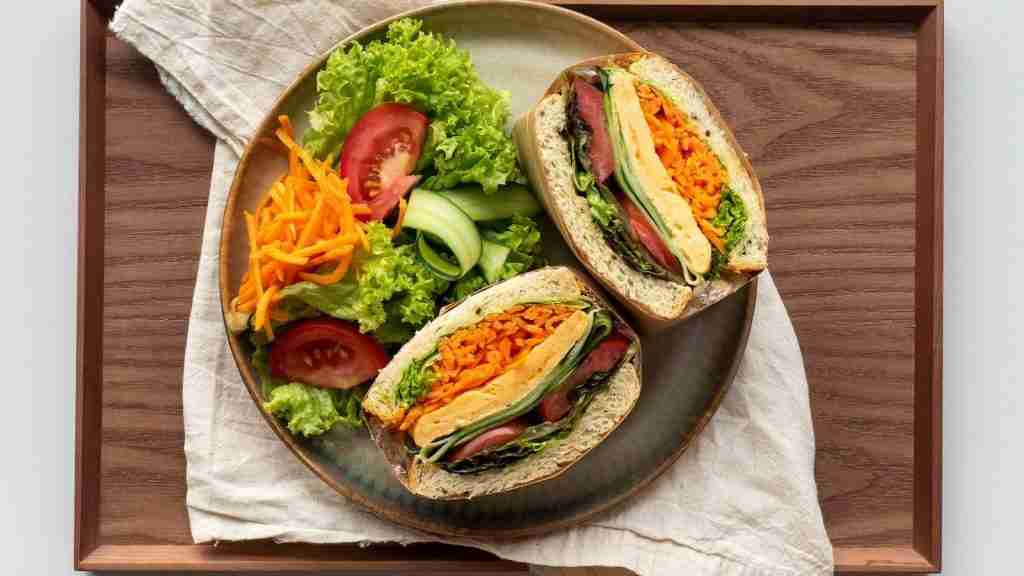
[
  {"x": 606, "y": 411},
  {"x": 544, "y": 152}
]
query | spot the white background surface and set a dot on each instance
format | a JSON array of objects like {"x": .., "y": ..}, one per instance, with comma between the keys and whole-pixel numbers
[{"x": 983, "y": 505}]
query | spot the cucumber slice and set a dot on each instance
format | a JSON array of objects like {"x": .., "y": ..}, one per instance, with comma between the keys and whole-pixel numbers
[
  {"x": 511, "y": 200},
  {"x": 437, "y": 263},
  {"x": 431, "y": 213},
  {"x": 492, "y": 260}
]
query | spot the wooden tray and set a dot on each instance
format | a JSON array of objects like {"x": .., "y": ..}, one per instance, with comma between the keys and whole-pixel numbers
[{"x": 839, "y": 105}]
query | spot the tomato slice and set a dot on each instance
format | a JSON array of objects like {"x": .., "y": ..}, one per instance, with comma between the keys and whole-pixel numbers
[
  {"x": 648, "y": 236},
  {"x": 556, "y": 405},
  {"x": 326, "y": 352},
  {"x": 384, "y": 144}
]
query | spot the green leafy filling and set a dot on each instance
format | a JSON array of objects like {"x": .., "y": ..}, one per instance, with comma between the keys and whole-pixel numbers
[
  {"x": 415, "y": 382},
  {"x": 731, "y": 217}
]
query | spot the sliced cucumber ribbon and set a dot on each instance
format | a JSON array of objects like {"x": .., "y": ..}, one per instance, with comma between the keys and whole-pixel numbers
[
  {"x": 437, "y": 263},
  {"x": 432, "y": 214},
  {"x": 510, "y": 200}
]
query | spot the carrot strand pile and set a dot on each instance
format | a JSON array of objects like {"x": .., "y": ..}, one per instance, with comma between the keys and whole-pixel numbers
[
  {"x": 304, "y": 221},
  {"x": 698, "y": 174},
  {"x": 471, "y": 357}
]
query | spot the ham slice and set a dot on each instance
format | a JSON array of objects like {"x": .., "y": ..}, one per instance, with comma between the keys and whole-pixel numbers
[
  {"x": 590, "y": 102},
  {"x": 556, "y": 405},
  {"x": 493, "y": 437}
]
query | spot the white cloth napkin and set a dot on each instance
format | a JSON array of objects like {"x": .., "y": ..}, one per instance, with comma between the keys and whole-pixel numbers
[{"x": 741, "y": 501}]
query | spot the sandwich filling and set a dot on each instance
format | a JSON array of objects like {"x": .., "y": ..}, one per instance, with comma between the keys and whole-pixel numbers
[
  {"x": 509, "y": 385},
  {"x": 654, "y": 184}
]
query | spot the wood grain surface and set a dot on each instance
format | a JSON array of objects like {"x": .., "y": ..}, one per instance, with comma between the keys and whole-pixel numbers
[{"x": 827, "y": 114}]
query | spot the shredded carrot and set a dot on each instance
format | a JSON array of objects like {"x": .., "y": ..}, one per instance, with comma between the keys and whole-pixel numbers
[
  {"x": 334, "y": 276},
  {"x": 401, "y": 218},
  {"x": 697, "y": 172},
  {"x": 471, "y": 357},
  {"x": 304, "y": 220}
]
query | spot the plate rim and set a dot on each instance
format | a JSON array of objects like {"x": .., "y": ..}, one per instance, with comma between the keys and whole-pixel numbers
[{"x": 249, "y": 379}]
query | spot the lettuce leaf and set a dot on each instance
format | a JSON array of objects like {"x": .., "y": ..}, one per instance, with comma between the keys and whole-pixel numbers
[
  {"x": 466, "y": 285},
  {"x": 307, "y": 410},
  {"x": 311, "y": 411},
  {"x": 415, "y": 382},
  {"x": 731, "y": 217},
  {"x": 466, "y": 141},
  {"x": 522, "y": 237},
  {"x": 389, "y": 285}
]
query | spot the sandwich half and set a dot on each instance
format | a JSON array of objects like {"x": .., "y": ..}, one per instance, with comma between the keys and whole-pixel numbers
[
  {"x": 511, "y": 386},
  {"x": 647, "y": 184}
]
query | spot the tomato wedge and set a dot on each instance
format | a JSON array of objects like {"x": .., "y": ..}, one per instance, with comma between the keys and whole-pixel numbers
[
  {"x": 384, "y": 145},
  {"x": 326, "y": 352},
  {"x": 648, "y": 236},
  {"x": 607, "y": 354}
]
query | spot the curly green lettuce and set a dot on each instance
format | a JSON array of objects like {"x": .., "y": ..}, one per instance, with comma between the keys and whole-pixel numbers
[
  {"x": 312, "y": 411},
  {"x": 391, "y": 289},
  {"x": 731, "y": 217},
  {"x": 466, "y": 141},
  {"x": 416, "y": 381}
]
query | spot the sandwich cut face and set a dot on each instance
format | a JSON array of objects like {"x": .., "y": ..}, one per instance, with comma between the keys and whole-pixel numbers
[
  {"x": 669, "y": 182},
  {"x": 504, "y": 387}
]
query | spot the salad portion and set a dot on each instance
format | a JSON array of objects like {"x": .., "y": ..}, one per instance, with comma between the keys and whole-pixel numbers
[{"x": 404, "y": 195}]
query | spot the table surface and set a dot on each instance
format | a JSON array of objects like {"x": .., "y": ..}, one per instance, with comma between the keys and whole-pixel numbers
[{"x": 981, "y": 470}]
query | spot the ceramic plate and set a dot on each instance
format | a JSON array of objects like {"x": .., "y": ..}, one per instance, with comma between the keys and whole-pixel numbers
[{"x": 519, "y": 47}]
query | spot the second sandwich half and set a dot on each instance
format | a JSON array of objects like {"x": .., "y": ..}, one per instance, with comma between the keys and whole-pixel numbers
[{"x": 511, "y": 386}]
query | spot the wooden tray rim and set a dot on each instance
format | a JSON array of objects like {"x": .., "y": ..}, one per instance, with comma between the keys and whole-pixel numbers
[{"x": 924, "y": 553}]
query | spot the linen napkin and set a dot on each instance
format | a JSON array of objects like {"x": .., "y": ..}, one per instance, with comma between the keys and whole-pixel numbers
[{"x": 741, "y": 501}]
